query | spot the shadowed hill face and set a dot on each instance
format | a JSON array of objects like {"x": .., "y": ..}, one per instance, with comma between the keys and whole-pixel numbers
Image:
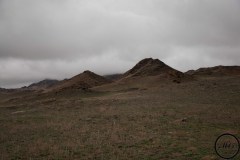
[
  {"x": 216, "y": 71},
  {"x": 2, "y": 89},
  {"x": 85, "y": 80},
  {"x": 113, "y": 77},
  {"x": 42, "y": 84},
  {"x": 152, "y": 67}
]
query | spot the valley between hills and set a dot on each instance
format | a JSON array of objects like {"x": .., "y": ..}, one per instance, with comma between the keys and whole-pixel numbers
[{"x": 151, "y": 111}]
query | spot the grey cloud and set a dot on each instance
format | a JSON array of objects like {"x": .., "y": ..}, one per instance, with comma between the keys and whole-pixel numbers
[
  {"x": 57, "y": 38},
  {"x": 74, "y": 31}
]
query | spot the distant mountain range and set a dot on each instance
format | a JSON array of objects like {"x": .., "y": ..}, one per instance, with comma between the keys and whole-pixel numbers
[
  {"x": 217, "y": 71},
  {"x": 42, "y": 84},
  {"x": 147, "y": 67},
  {"x": 113, "y": 77}
]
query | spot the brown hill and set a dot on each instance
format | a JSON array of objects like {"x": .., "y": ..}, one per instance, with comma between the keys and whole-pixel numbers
[
  {"x": 148, "y": 73},
  {"x": 152, "y": 67},
  {"x": 83, "y": 81},
  {"x": 216, "y": 71}
]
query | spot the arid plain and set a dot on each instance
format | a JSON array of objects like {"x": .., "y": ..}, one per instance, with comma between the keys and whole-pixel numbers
[{"x": 151, "y": 111}]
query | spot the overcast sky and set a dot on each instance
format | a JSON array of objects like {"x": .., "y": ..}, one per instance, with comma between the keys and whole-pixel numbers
[{"x": 60, "y": 38}]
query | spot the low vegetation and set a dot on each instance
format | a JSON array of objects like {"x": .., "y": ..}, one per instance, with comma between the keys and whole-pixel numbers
[{"x": 148, "y": 117}]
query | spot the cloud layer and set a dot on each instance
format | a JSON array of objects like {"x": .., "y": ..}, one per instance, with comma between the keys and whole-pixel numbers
[{"x": 57, "y": 39}]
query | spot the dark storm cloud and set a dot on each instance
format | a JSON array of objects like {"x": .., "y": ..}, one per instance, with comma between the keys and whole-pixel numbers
[{"x": 57, "y": 39}]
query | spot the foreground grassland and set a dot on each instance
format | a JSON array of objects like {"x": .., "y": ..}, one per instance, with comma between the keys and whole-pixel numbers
[{"x": 168, "y": 121}]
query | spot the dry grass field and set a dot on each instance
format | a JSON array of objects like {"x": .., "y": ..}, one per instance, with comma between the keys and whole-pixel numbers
[
  {"x": 119, "y": 79},
  {"x": 141, "y": 120}
]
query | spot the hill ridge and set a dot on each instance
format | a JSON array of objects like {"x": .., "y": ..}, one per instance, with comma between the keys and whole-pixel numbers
[
  {"x": 84, "y": 81},
  {"x": 152, "y": 67},
  {"x": 216, "y": 70}
]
